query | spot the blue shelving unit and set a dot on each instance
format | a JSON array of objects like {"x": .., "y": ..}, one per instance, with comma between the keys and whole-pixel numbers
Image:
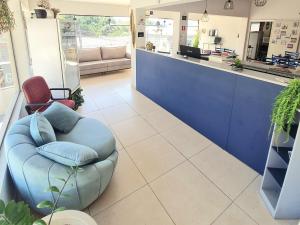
[{"x": 280, "y": 187}]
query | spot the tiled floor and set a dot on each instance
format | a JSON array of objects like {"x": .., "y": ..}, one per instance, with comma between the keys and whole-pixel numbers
[{"x": 167, "y": 173}]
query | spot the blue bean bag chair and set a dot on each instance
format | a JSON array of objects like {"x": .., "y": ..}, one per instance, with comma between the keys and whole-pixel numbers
[{"x": 33, "y": 169}]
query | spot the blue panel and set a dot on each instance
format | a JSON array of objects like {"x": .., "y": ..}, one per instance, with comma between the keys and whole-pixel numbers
[
  {"x": 231, "y": 110},
  {"x": 249, "y": 129},
  {"x": 200, "y": 96}
]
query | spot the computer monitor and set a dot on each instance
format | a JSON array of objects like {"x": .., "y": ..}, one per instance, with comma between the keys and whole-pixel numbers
[{"x": 190, "y": 51}]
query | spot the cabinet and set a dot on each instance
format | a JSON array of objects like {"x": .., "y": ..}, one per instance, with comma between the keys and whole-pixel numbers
[
  {"x": 53, "y": 50},
  {"x": 280, "y": 187}
]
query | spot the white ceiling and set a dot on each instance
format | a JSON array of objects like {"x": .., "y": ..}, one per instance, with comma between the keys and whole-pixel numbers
[{"x": 112, "y": 2}]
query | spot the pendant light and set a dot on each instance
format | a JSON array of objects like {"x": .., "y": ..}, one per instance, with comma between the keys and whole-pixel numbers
[
  {"x": 205, "y": 17},
  {"x": 228, "y": 4}
]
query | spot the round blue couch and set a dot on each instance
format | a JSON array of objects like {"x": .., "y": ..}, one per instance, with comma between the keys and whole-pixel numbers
[{"x": 33, "y": 173}]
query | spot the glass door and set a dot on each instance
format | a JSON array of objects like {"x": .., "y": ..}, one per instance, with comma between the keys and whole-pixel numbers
[{"x": 69, "y": 55}]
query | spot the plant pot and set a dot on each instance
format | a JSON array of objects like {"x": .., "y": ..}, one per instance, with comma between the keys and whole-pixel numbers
[
  {"x": 70, "y": 217},
  {"x": 40, "y": 13}
]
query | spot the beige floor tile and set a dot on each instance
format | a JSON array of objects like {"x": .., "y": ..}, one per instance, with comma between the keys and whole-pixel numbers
[
  {"x": 229, "y": 174},
  {"x": 88, "y": 106},
  {"x": 125, "y": 180},
  {"x": 108, "y": 100},
  {"x": 189, "y": 197},
  {"x": 234, "y": 216},
  {"x": 154, "y": 156},
  {"x": 186, "y": 140},
  {"x": 133, "y": 130},
  {"x": 118, "y": 113},
  {"x": 143, "y": 105},
  {"x": 140, "y": 208},
  {"x": 162, "y": 120},
  {"x": 251, "y": 202}
]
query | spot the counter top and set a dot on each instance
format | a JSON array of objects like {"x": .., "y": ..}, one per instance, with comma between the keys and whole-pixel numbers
[{"x": 227, "y": 68}]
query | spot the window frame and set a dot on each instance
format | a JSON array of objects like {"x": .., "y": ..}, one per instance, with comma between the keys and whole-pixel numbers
[{"x": 12, "y": 104}]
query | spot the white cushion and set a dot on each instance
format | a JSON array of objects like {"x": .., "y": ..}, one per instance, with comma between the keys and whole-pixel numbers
[
  {"x": 113, "y": 52},
  {"x": 89, "y": 54}
]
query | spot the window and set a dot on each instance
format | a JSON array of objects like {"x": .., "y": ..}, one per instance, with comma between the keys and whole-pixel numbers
[
  {"x": 96, "y": 31},
  {"x": 193, "y": 27},
  {"x": 160, "y": 33},
  {"x": 9, "y": 86}
]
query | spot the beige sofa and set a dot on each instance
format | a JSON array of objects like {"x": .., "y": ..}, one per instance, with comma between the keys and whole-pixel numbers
[{"x": 103, "y": 59}]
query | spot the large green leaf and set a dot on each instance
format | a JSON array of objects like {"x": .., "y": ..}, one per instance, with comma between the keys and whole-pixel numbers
[
  {"x": 16, "y": 214},
  {"x": 2, "y": 206},
  {"x": 45, "y": 204}
]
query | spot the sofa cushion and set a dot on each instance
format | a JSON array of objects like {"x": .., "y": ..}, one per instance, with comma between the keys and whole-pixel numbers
[
  {"x": 92, "y": 65},
  {"x": 92, "y": 133},
  {"x": 61, "y": 117},
  {"x": 117, "y": 62},
  {"x": 113, "y": 52},
  {"x": 69, "y": 154},
  {"x": 41, "y": 130},
  {"x": 89, "y": 54}
]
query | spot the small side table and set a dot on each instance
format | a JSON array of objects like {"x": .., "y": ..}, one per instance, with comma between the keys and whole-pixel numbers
[{"x": 70, "y": 217}]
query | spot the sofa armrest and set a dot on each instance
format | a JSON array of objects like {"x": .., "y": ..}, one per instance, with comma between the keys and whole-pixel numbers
[{"x": 128, "y": 55}]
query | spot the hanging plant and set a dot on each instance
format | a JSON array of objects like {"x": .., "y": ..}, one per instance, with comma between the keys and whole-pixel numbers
[
  {"x": 77, "y": 97},
  {"x": 7, "y": 20},
  {"x": 285, "y": 108}
]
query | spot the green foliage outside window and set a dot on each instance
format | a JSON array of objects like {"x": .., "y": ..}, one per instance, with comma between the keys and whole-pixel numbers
[{"x": 96, "y": 26}]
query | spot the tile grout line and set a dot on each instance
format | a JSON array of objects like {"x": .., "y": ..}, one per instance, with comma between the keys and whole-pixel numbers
[
  {"x": 148, "y": 184},
  {"x": 224, "y": 210}
]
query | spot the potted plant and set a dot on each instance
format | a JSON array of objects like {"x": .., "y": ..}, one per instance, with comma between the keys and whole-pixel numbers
[
  {"x": 77, "y": 97},
  {"x": 43, "y": 5},
  {"x": 237, "y": 65},
  {"x": 7, "y": 21},
  {"x": 285, "y": 108},
  {"x": 149, "y": 46},
  {"x": 55, "y": 12}
]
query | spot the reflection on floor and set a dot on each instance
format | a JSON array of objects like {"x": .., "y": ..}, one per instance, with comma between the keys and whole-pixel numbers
[{"x": 167, "y": 173}]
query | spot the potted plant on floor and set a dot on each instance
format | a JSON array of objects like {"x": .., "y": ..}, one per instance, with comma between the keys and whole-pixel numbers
[
  {"x": 237, "y": 65},
  {"x": 7, "y": 21},
  {"x": 285, "y": 109},
  {"x": 18, "y": 213},
  {"x": 43, "y": 6}
]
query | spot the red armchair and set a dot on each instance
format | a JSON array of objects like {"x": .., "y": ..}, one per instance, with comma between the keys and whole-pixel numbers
[{"x": 39, "y": 96}]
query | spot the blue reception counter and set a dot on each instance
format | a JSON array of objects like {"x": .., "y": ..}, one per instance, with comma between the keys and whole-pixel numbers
[{"x": 231, "y": 109}]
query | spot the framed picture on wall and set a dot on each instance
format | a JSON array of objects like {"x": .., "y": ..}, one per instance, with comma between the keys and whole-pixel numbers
[
  {"x": 294, "y": 40},
  {"x": 294, "y": 32},
  {"x": 290, "y": 46},
  {"x": 296, "y": 24}
]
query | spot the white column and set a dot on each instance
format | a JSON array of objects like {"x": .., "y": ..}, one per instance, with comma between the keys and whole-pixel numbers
[
  {"x": 139, "y": 15},
  {"x": 183, "y": 28}
]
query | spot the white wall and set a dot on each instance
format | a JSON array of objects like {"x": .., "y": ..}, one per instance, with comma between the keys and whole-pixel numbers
[
  {"x": 276, "y": 9},
  {"x": 231, "y": 29},
  {"x": 86, "y": 8}
]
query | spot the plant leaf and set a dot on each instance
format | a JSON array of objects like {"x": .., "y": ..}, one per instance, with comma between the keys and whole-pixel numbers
[
  {"x": 61, "y": 179},
  {"x": 53, "y": 189},
  {"x": 60, "y": 209},
  {"x": 45, "y": 204},
  {"x": 39, "y": 222},
  {"x": 2, "y": 206}
]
